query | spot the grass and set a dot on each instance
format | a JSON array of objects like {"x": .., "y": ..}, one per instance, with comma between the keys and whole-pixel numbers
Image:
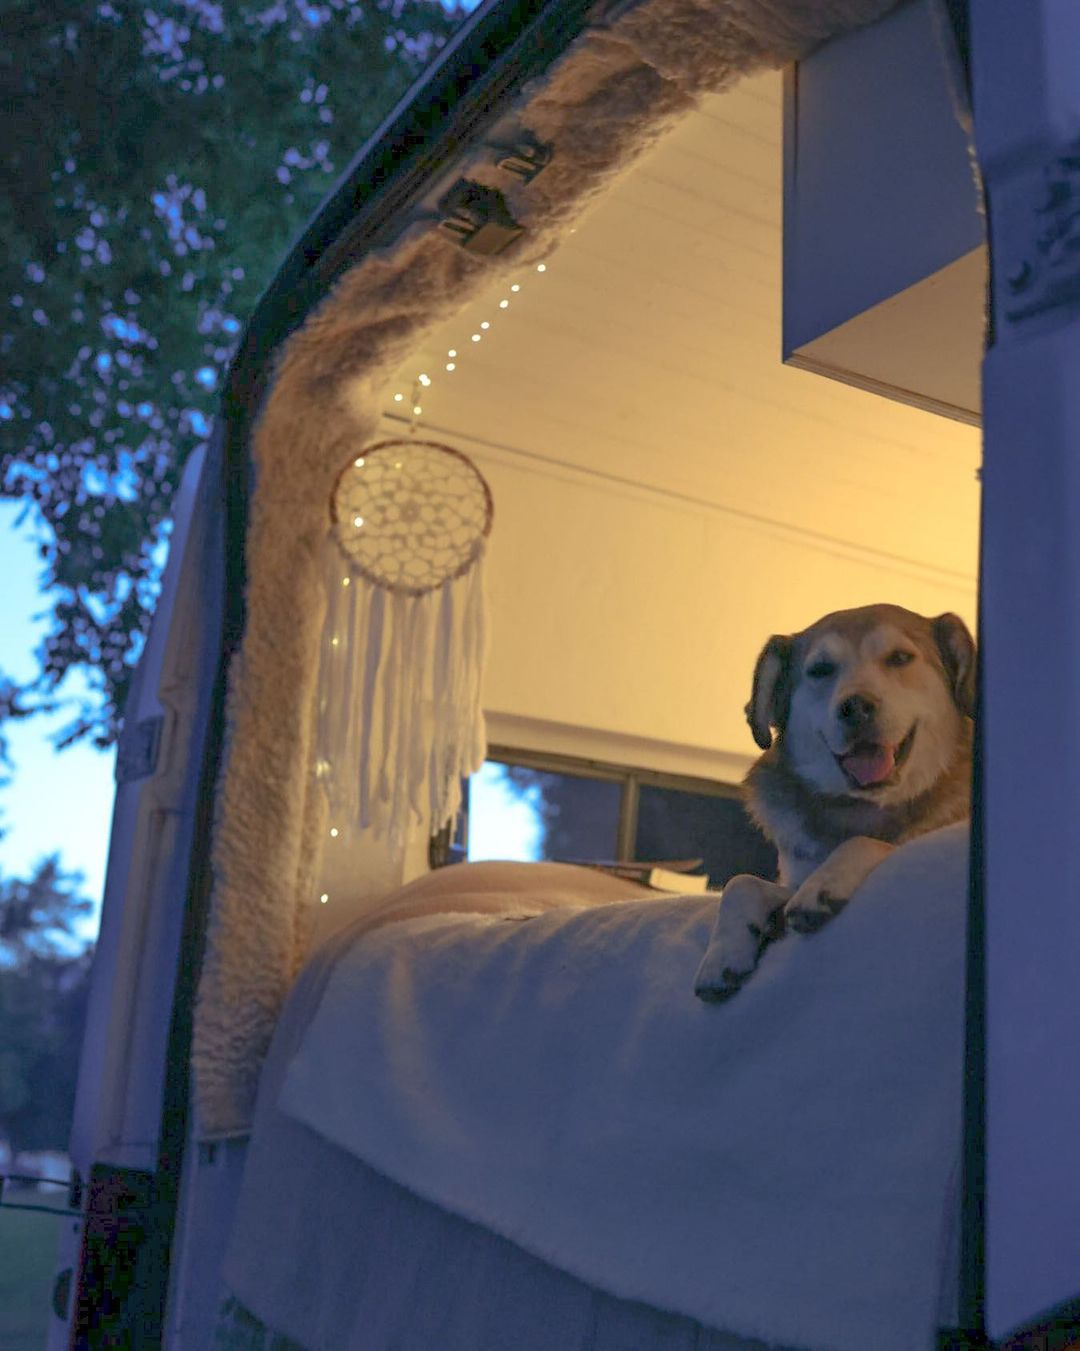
[{"x": 27, "y": 1270}]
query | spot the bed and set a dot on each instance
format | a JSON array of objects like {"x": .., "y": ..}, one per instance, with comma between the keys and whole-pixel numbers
[{"x": 494, "y": 1116}]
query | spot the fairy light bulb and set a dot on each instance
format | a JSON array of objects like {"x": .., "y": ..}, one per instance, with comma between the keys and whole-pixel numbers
[
  {"x": 358, "y": 521},
  {"x": 423, "y": 379},
  {"x": 359, "y": 462},
  {"x": 324, "y": 897},
  {"x": 334, "y": 832},
  {"x": 541, "y": 267},
  {"x": 345, "y": 581}
]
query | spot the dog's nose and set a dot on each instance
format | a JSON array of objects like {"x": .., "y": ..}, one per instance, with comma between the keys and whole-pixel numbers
[{"x": 856, "y": 711}]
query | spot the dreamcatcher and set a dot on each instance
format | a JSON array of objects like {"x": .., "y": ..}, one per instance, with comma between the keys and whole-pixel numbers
[{"x": 400, "y": 721}]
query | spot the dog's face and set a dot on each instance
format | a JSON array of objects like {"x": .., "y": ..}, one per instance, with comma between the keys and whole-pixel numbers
[{"x": 868, "y": 703}]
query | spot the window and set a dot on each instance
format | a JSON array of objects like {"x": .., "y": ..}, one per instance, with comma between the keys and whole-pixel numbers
[
  {"x": 529, "y": 807},
  {"x": 688, "y": 823}
]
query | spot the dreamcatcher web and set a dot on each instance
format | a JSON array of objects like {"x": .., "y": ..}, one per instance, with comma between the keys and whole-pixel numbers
[
  {"x": 400, "y": 719},
  {"x": 411, "y": 515}
]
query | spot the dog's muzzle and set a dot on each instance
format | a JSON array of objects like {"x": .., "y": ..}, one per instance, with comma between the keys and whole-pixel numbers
[{"x": 868, "y": 764}]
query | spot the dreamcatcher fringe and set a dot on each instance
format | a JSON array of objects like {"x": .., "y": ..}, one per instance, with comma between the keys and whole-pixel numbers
[{"x": 399, "y": 714}]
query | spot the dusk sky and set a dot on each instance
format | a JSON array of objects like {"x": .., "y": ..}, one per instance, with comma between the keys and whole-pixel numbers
[{"x": 56, "y": 801}]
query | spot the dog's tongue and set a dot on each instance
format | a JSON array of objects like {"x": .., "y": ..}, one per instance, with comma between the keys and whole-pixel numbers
[{"x": 868, "y": 765}]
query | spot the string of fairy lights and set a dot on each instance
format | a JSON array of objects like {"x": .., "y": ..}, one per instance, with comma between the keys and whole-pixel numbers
[
  {"x": 422, "y": 382},
  {"x": 454, "y": 355}
]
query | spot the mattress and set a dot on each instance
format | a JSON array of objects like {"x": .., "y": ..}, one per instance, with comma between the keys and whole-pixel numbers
[
  {"x": 327, "y": 1252},
  {"x": 369, "y": 1266}
]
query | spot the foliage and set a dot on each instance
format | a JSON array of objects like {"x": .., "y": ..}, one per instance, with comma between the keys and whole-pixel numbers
[
  {"x": 577, "y": 816},
  {"x": 40, "y": 915},
  {"x": 44, "y": 986},
  {"x": 154, "y": 165}
]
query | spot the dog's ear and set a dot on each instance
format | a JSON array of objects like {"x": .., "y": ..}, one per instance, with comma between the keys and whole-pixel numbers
[
  {"x": 957, "y": 649},
  {"x": 771, "y": 696}
]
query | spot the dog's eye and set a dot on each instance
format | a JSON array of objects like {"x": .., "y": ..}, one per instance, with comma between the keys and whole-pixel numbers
[
  {"x": 821, "y": 670},
  {"x": 899, "y": 658}
]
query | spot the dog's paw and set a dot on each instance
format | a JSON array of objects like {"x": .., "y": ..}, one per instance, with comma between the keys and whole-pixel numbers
[
  {"x": 750, "y": 916},
  {"x": 829, "y": 888},
  {"x": 729, "y": 960},
  {"x": 811, "y": 909}
]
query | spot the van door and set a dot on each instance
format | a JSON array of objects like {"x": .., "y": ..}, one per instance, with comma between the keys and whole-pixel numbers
[
  {"x": 125, "y": 1092},
  {"x": 1023, "y": 1184}
]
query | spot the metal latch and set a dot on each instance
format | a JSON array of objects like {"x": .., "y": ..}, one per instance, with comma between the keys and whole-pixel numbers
[
  {"x": 525, "y": 158},
  {"x": 478, "y": 218},
  {"x": 137, "y": 753}
]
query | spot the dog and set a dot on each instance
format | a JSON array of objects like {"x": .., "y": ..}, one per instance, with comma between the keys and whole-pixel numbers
[{"x": 873, "y": 714}]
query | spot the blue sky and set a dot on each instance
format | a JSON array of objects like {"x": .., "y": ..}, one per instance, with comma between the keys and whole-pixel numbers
[
  {"x": 504, "y": 821},
  {"x": 56, "y": 801}
]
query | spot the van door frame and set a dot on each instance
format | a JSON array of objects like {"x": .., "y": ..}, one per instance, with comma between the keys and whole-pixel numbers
[{"x": 1021, "y": 1181}]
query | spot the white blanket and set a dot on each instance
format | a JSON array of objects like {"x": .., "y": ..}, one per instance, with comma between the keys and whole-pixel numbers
[{"x": 779, "y": 1166}]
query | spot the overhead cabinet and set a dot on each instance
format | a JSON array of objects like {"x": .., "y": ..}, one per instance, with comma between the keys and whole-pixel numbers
[{"x": 884, "y": 253}]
